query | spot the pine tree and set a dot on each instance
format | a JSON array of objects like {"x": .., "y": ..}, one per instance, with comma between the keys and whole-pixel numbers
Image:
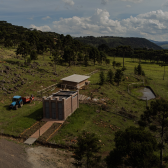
[
  {"x": 85, "y": 154},
  {"x": 102, "y": 78},
  {"x": 110, "y": 76}
]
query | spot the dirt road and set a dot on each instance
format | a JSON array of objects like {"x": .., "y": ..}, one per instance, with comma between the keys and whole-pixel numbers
[{"x": 17, "y": 155}]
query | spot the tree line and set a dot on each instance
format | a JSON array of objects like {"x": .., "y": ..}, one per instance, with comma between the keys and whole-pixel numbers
[{"x": 65, "y": 49}]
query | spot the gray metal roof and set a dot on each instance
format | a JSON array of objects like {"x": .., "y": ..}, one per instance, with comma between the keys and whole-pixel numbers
[{"x": 75, "y": 78}]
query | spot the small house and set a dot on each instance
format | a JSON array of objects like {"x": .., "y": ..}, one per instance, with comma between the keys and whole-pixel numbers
[
  {"x": 74, "y": 81},
  {"x": 60, "y": 105}
]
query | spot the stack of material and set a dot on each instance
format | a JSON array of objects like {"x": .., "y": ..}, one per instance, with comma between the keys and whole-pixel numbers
[{"x": 82, "y": 97}]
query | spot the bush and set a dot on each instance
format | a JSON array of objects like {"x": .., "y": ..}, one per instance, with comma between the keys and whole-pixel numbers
[
  {"x": 138, "y": 70},
  {"x": 110, "y": 76},
  {"x": 107, "y": 61},
  {"x": 33, "y": 55},
  {"x": 118, "y": 76},
  {"x": 124, "y": 68},
  {"x": 102, "y": 78},
  {"x": 114, "y": 63},
  {"x": 28, "y": 61}
]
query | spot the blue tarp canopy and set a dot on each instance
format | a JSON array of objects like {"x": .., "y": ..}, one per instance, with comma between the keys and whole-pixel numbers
[{"x": 16, "y": 97}]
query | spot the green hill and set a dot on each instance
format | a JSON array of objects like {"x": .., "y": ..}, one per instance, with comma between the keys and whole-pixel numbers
[
  {"x": 164, "y": 46},
  {"x": 113, "y": 42}
]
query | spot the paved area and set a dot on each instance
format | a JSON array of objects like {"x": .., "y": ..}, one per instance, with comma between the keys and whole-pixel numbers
[
  {"x": 30, "y": 141},
  {"x": 14, "y": 154},
  {"x": 43, "y": 129}
]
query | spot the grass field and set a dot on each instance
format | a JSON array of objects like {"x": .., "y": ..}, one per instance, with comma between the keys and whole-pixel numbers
[{"x": 89, "y": 117}]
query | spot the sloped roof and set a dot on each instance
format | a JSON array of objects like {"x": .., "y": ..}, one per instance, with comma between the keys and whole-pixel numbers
[
  {"x": 16, "y": 97},
  {"x": 75, "y": 78}
]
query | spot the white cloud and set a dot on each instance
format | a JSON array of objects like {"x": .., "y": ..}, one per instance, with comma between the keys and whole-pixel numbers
[
  {"x": 42, "y": 28},
  {"x": 148, "y": 25},
  {"x": 128, "y": 6},
  {"x": 31, "y": 18},
  {"x": 47, "y": 17},
  {"x": 104, "y": 2},
  {"x": 135, "y": 1},
  {"x": 69, "y": 2}
]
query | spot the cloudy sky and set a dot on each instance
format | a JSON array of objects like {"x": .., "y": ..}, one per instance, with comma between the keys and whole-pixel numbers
[{"x": 124, "y": 18}]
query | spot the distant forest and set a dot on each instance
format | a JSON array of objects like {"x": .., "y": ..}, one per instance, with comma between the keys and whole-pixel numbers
[
  {"x": 114, "y": 42},
  {"x": 29, "y": 43}
]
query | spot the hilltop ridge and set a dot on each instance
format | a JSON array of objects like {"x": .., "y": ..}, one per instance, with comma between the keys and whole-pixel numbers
[{"x": 113, "y": 42}]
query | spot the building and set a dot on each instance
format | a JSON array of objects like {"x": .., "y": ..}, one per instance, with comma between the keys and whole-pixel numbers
[
  {"x": 60, "y": 105},
  {"x": 74, "y": 81}
]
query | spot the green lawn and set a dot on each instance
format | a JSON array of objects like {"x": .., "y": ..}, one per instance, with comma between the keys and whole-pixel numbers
[{"x": 103, "y": 123}]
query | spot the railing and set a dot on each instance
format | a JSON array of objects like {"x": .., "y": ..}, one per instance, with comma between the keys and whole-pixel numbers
[{"x": 51, "y": 87}]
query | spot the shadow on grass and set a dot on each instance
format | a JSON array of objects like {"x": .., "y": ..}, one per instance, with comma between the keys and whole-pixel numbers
[
  {"x": 36, "y": 115},
  {"x": 42, "y": 70},
  {"x": 12, "y": 62},
  {"x": 7, "y": 108}
]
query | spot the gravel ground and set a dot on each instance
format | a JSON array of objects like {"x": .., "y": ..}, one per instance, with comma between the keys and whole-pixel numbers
[{"x": 14, "y": 154}]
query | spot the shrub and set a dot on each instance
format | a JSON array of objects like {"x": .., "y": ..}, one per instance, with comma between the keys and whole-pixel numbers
[
  {"x": 33, "y": 55},
  {"x": 110, "y": 76},
  {"x": 102, "y": 78}
]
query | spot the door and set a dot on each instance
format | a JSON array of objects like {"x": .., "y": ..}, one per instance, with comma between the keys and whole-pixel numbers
[
  {"x": 60, "y": 112},
  {"x": 53, "y": 109},
  {"x": 47, "y": 112}
]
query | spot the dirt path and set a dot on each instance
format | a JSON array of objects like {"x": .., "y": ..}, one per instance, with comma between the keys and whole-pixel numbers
[{"x": 14, "y": 154}]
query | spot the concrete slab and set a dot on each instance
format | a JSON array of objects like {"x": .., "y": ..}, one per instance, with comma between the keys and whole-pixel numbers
[{"x": 30, "y": 141}]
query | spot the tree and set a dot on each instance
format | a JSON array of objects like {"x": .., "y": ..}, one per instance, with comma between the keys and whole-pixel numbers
[
  {"x": 113, "y": 52},
  {"x": 94, "y": 54},
  {"x": 133, "y": 147},
  {"x": 68, "y": 55},
  {"x": 15, "y": 38},
  {"x": 8, "y": 43},
  {"x": 67, "y": 41},
  {"x": 118, "y": 76},
  {"x": 103, "y": 56},
  {"x": 85, "y": 154},
  {"x": 80, "y": 57},
  {"x": 102, "y": 78},
  {"x": 114, "y": 64},
  {"x": 107, "y": 61},
  {"x": 138, "y": 70},
  {"x": 156, "y": 118},
  {"x": 50, "y": 43},
  {"x": 33, "y": 55},
  {"x": 23, "y": 49},
  {"x": 103, "y": 47},
  {"x": 124, "y": 49},
  {"x": 117, "y": 64},
  {"x": 110, "y": 76},
  {"x": 55, "y": 58},
  {"x": 40, "y": 48},
  {"x": 86, "y": 59},
  {"x": 33, "y": 38}
]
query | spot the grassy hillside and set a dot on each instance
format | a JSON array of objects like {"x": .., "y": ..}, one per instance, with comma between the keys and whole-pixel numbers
[
  {"x": 117, "y": 41},
  {"x": 104, "y": 118}
]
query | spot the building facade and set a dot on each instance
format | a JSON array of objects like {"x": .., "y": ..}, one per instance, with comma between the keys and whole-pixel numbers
[{"x": 60, "y": 105}]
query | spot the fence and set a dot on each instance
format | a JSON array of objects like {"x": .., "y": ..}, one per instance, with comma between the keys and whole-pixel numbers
[{"x": 47, "y": 89}]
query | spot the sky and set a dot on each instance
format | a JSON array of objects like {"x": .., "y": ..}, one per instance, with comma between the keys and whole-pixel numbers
[{"x": 123, "y": 18}]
